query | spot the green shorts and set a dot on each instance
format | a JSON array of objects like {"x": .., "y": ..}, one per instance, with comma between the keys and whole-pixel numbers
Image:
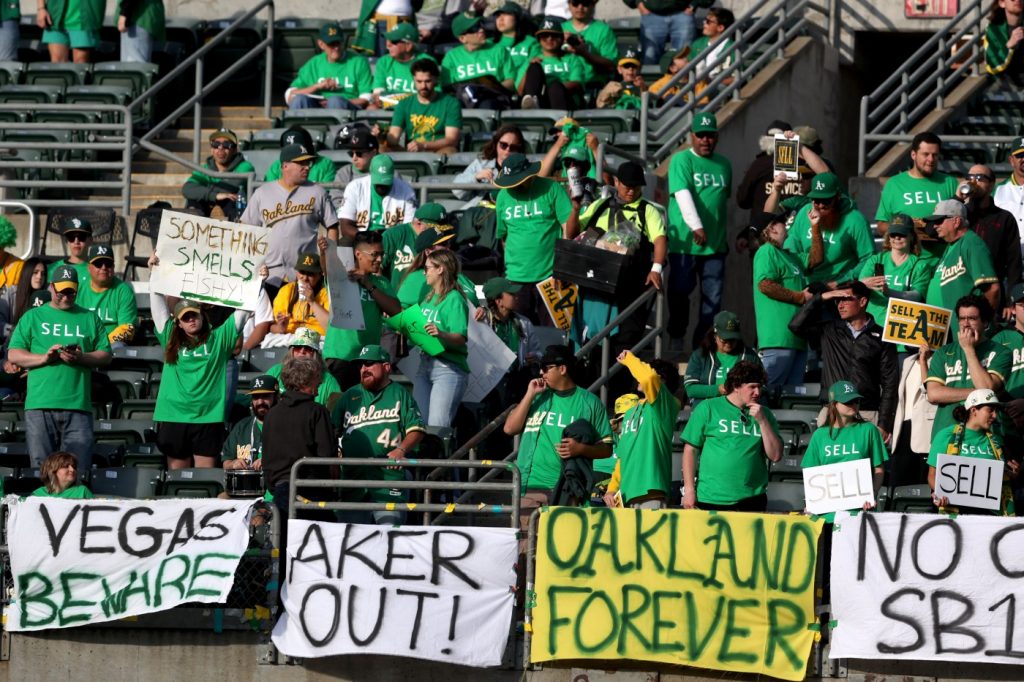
[{"x": 77, "y": 39}]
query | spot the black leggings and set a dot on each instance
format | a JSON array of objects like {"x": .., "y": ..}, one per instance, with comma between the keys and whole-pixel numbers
[{"x": 552, "y": 95}]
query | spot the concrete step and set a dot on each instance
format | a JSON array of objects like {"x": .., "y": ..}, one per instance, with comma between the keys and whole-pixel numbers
[
  {"x": 159, "y": 178},
  {"x": 235, "y": 123},
  {"x": 228, "y": 111}
]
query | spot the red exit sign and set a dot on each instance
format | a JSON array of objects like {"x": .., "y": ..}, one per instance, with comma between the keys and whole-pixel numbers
[{"x": 929, "y": 9}]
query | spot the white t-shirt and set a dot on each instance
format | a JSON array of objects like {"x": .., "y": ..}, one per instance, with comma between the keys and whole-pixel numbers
[
  {"x": 1010, "y": 197},
  {"x": 395, "y": 8},
  {"x": 397, "y": 207}
]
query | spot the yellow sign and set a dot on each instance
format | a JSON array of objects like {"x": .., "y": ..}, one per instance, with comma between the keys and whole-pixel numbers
[
  {"x": 560, "y": 300},
  {"x": 727, "y": 591},
  {"x": 915, "y": 323}
]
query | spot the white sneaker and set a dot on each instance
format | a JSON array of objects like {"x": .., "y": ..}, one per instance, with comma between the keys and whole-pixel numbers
[{"x": 528, "y": 102}]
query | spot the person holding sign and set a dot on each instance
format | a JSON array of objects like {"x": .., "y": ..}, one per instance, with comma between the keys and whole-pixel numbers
[
  {"x": 972, "y": 436},
  {"x": 59, "y": 475},
  {"x": 734, "y": 434},
  {"x": 302, "y": 303},
  {"x": 898, "y": 271}
]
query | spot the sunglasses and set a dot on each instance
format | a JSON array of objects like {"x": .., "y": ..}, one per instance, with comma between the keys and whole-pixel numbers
[
  {"x": 223, "y": 145},
  {"x": 980, "y": 177},
  {"x": 67, "y": 293},
  {"x": 359, "y": 154},
  {"x": 372, "y": 255},
  {"x": 103, "y": 264},
  {"x": 705, "y": 135},
  {"x": 510, "y": 146},
  {"x": 584, "y": 3},
  {"x": 77, "y": 237}
]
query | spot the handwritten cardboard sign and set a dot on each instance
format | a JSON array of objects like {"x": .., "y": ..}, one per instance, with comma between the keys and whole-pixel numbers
[
  {"x": 346, "y": 296},
  {"x": 910, "y": 323},
  {"x": 969, "y": 481},
  {"x": 838, "y": 487}
]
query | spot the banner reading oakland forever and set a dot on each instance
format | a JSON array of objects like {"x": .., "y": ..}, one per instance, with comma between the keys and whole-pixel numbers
[{"x": 726, "y": 591}]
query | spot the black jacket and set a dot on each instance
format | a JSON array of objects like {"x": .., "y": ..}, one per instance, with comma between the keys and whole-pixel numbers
[
  {"x": 296, "y": 427},
  {"x": 998, "y": 229},
  {"x": 866, "y": 361}
]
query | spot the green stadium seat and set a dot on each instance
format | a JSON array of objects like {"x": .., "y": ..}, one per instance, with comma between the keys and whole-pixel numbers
[
  {"x": 912, "y": 499},
  {"x": 11, "y": 73},
  {"x": 245, "y": 85},
  {"x": 479, "y": 120},
  {"x": 294, "y": 45},
  {"x": 416, "y": 164},
  {"x": 62, "y": 75},
  {"x": 137, "y": 409},
  {"x": 439, "y": 193},
  {"x": 627, "y": 141},
  {"x": 802, "y": 397},
  {"x": 145, "y": 460},
  {"x": 786, "y": 469},
  {"x": 786, "y": 496},
  {"x": 318, "y": 119},
  {"x": 968, "y": 153},
  {"x": 1002, "y": 126},
  {"x": 370, "y": 116},
  {"x": 107, "y": 93},
  {"x": 626, "y": 30},
  {"x": 535, "y": 120},
  {"x": 262, "y": 159},
  {"x": 882, "y": 500},
  {"x": 131, "y": 482},
  {"x": 184, "y": 30},
  {"x": 607, "y": 120},
  {"x": 193, "y": 483},
  {"x": 125, "y": 431},
  {"x": 38, "y": 94},
  {"x": 340, "y": 157},
  {"x": 131, "y": 383}
]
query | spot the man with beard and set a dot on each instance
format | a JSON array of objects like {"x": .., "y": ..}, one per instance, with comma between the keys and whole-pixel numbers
[{"x": 244, "y": 447}]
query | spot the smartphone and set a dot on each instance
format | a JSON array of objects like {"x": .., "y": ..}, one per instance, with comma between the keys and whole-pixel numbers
[
  {"x": 71, "y": 348},
  {"x": 879, "y": 270}
]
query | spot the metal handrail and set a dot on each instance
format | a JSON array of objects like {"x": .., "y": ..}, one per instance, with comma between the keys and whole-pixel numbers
[{"x": 920, "y": 85}]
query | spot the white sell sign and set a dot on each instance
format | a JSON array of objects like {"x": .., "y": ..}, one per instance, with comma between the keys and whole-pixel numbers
[
  {"x": 209, "y": 260},
  {"x": 442, "y": 594},
  {"x": 346, "y": 295},
  {"x": 969, "y": 481},
  {"x": 838, "y": 487},
  {"x": 80, "y": 562},
  {"x": 927, "y": 587}
]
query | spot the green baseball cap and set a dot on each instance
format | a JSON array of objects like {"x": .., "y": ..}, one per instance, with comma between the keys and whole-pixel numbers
[
  {"x": 727, "y": 326},
  {"x": 432, "y": 213},
  {"x": 576, "y": 152},
  {"x": 373, "y": 353},
  {"x": 824, "y": 186},
  {"x": 77, "y": 225},
  {"x": 99, "y": 252},
  {"x": 330, "y": 33},
  {"x": 431, "y": 237},
  {"x": 1017, "y": 292},
  {"x": 1017, "y": 147},
  {"x": 382, "y": 170},
  {"x": 704, "y": 123},
  {"x": 465, "y": 23},
  {"x": 496, "y": 286},
  {"x": 66, "y": 277},
  {"x": 843, "y": 392},
  {"x": 515, "y": 171},
  {"x": 548, "y": 25},
  {"x": 901, "y": 224},
  {"x": 296, "y": 153},
  {"x": 509, "y": 8},
  {"x": 186, "y": 306},
  {"x": 403, "y": 31},
  {"x": 308, "y": 261}
]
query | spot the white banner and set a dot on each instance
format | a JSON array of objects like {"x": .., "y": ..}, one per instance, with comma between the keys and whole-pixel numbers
[
  {"x": 346, "y": 295},
  {"x": 442, "y": 594},
  {"x": 209, "y": 260},
  {"x": 969, "y": 481},
  {"x": 79, "y": 562},
  {"x": 838, "y": 487},
  {"x": 927, "y": 587}
]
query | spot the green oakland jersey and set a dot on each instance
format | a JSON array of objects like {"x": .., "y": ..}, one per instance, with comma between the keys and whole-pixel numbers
[
  {"x": 975, "y": 444},
  {"x": 600, "y": 39},
  {"x": 115, "y": 306},
  {"x": 193, "y": 389},
  {"x": 328, "y": 385},
  {"x": 733, "y": 465},
  {"x": 530, "y": 220},
  {"x": 1013, "y": 341},
  {"x": 709, "y": 180},
  {"x": 399, "y": 252},
  {"x": 550, "y": 412},
  {"x": 450, "y": 314},
  {"x": 345, "y": 344},
  {"x": 772, "y": 317},
  {"x": 914, "y": 196},
  {"x": 462, "y": 65},
  {"x": 948, "y": 367},
  {"x": 371, "y": 425},
  {"x": 833, "y": 445},
  {"x": 426, "y": 122},
  {"x": 522, "y": 52},
  {"x": 644, "y": 448},
  {"x": 245, "y": 442},
  {"x": 965, "y": 265},
  {"x": 322, "y": 170},
  {"x": 846, "y": 246},
  {"x": 59, "y": 386},
  {"x": 352, "y": 74},
  {"x": 912, "y": 275},
  {"x": 564, "y": 69}
]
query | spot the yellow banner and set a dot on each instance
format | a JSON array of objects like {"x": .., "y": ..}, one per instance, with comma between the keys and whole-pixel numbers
[
  {"x": 915, "y": 323},
  {"x": 560, "y": 300},
  {"x": 725, "y": 591}
]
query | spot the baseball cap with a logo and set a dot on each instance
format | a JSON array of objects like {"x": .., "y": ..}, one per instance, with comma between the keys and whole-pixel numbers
[
  {"x": 950, "y": 208},
  {"x": 308, "y": 261},
  {"x": 1017, "y": 147},
  {"x": 382, "y": 170},
  {"x": 264, "y": 383},
  {"x": 843, "y": 392},
  {"x": 981, "y": 396},
  {"x": 330, "y": 33},
  {"x": 296, "y": 153},
  {"x": 704, "y": 123},
  {"x": 297, "y": 135},
  {"x": 632, "y": 55},
  {"x": 824, "y": 186},
  {"x": 548, "y": 25},
  {"x": 65, "y": 278},
  {"x": 100, "y": 252},
  {"x": 77, "y": 225},
  {"x": 727, "y": 326},
  {"x": 306, "y": 337},
  {"x": 373, "y": 353}
]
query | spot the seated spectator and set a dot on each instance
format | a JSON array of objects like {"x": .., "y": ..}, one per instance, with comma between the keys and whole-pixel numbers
[
  {"x": 430, "y": 121},
  {"x": 660, "y": 87},
  {"x": 507, "y": 139},
  {"x": 305, "y": 343},
  {"x": 513, "y": 24},
  {"x": 244, "y": 447},
  {"x": 612, "y": 494},
  {"x": 16, "y": 295},
  {"x": 377, "y": 200},
  {"x": 393, "y": 76},
  {"x": 624, "y": 91},
  {"x": 362, "y": 145},
  {"x": 572, "y": 143},
  {"x": 553, "y": 79},
  {"x": 78, "y": 238},
  {"x": 59, "y": 475},
  {"x": 592, "y": 40},
  {"x": 204, "y": 193},
  {"x": 412, "y": 285},
  {"x": 912, "y": 430},
  {"x": 479, "y": 72},
  {"x": 710, "y": 48},
  {"x": 1003, "y": 34},
  {"x": 720, "y": 349},
  {"x": 898, "y": 271},
  {"x": 302, "y": 303},
  {"x": 334, "y": 79},
  {"x": 394, "y": 430},
  {"x": 112, "y": 299},
  {"x": 322, "y": 170}
]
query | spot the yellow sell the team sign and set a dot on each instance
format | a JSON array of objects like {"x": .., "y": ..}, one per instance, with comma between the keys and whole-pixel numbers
[
  {"x": 560, "y": 300},
  {"x": 915, "y": 323},
  {"x": 727, "y": 591}
]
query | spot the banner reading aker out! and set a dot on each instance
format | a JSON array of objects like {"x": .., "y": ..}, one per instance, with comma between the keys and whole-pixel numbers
[{"x": 726, "y": 591}]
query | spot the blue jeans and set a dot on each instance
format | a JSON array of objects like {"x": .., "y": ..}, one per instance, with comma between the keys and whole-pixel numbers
[
  {"x": 307, "y": 102},
  {"x": 136, "y": 45},
  {"x": 655, "y": 30},
  {"x": 9, "y": 34},
  {"x": 785, "y": 367},
  {"x": 438, "y": 388},
  {"x": 47, "y": 431},
  {"x": 682, "y": 280}
]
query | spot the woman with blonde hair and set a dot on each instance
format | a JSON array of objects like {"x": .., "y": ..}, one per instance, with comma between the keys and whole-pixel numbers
[{"x": 59, "y": 475}]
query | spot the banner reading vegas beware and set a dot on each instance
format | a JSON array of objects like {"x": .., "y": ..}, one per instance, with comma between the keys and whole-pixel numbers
[{"x": 726, "y": 591}]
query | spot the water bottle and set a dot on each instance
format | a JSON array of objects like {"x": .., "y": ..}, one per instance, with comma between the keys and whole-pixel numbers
[{"x": 239, "y": 204}]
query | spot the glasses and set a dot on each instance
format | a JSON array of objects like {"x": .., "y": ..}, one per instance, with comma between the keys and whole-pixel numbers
[
  {"x": 77, "y": 237},
  {"x": 359, "y": 154},
  {"x": 103, "y": 265},
  {"x": 980, "y": 177},
  {"x": 223, "y": 145},
  {"x": 583, "y": 3},
  {"x": 548, "y": 368},
  {"x": 705, "y": 135},
  {"x": 897, "y": 236},
  {"x": 67, "y": 293},
  {"x": 373, "y": 255},
  {"x": 509, "y": 146}
]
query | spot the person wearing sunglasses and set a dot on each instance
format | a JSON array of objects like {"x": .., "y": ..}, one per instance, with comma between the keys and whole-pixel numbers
[
  {"x": 322, "y": 170},
  {"x": 592, "y": 40},
  {"x": 333, "y": 79},
  {"x": 996, "y": 227},
  {"x": 1009, "y": 194},
  {"x": 362, "y": 145},
  {"x": 553, "y": 79},
  {"x": 77, "y": 239},
  {"x": 109, "y": 297},
  {"x": 507, "y": 139},
  {"x": 205, "y": 193},
  {"x": 710, "y": 47},
  {"x": 399, "y": 242}
]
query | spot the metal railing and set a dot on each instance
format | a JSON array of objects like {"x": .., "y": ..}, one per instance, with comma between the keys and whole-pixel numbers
[
  {"x": 920, "y": 85},
  {"x": 662, "y": 125}
]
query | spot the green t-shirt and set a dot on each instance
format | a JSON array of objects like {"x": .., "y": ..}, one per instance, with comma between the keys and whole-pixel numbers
[
  {"x": 450, "y": 314},
  {"x": 644, "y": 448},
  {"x": 426, "y": 122},
  {"x": 245, "y": 442},
  {"x": 1013, "y": 341},
  {"x": 601, "y": 41},
  {"x": 846, "y": 247},
  {"x": 530, "y": 221},
  {"x": 323, "y": 170},
  {"x": 462, "y": 65},
  {"x": 861, "y": 440},
  {"x": 372, "y": 425},
  {"x": 772, "y": 317},
  {"x": 345, "y": 344},
  {"x": 733, "y": 464},
  {"x": 414, "y": 288},
  {"x": 975, "y": 444},
  {"x": 59, "y": 386},
  {"x": 352, "y": 73},
  {"x": 114, "y": 306},
  {"x": 75, "y": 492},
  {"x": 965, "y": 264},
  {"x": 193, "y": 389},
  {"x": 81, "y": 268},
  {"x": 328, "y": 385},
  {"x": 914, "y": 196},
  {"x": 709, "y": 180},
  {"x": 948, "y": 367},
  {"x": 550, "y": 412},
  {"x": 399, "y": 252},
  {"x": 913, "y": 274},
  {"x": 522, "y": 52},
  {"x": 391, "y": 76},
  {"x": 564, "y": 69}
]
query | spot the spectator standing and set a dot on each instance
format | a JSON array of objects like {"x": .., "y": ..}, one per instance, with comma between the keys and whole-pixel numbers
[
  {"x": 243, "y": 448},
  {"x": 295, "y": 208},
  {"x": 376, "y": 201},
  {"x": 736, "y": 437},
  {"x": 322, "y": 170},
  {"x": 1003, "y": 34},
  {"x": 59, "y": 343},
  {"x": 1012, "y": 338},
  {"x": 376, "y": 19},
  {"x": 141, "y": 24},
  {"x": 700, "y": 182},
  {"x": 393, "y": 75},
  {"x": 996, "y": 226},
  {"x": 912, "y": 433},
  {"x": 711, "y": 53},
  {"x": 664, "y": 21},
  {"x": 71, "y": 28},
  {"x": 507, "y": 139},
  {"x": 306, "y": 344},
  {"x": 430, "y": 121},
  {"x": 109, "y": 297},
  {"x": 552, "y": 79},
  {"x": 720, "y": 350},
  {"x": 334, "y": 79},
  {"x": 77, "y": 238},
  {"x": 412, "y": 285},
  {"x": 515, "y": 330},
  {"x": 592, "y": 40},
  {"x": 10, "y": 17},
  {"x": 756, "y": 185},
  {"x": 898, "y": 271},
  {"x": 204, "y": 192},
  {"x": 59, "y": 476},
  {"x": 1009, "y": 195}
]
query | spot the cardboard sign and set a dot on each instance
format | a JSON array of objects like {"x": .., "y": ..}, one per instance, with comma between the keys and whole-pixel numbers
[
  {"x": 346, "y": 295},
  {"x": 838, "y": 487},
  {"x": 213, "y": 261},
  {"x": 787, "y": 156},
  {"x": 910, "y": 323},
  {"x": 969, "y": 481},
  {"x": 560, "y": 300},
  {"x": 930, "y": 9}
]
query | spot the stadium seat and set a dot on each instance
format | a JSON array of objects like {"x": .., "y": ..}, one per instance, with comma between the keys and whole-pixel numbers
[
  {"x": 32, "y": 94},
  {"x": 536, "y": 120},
  {"x": 882, "y": 499},
  {"x": 184, "y": 30},
  {"x": 479, "y": 120},
  {"x": 150, "y": 357},
  {"x": 265, "y": 358},
  {"x": 802, "y": 397},
  {"x": 456, "y": 163},
  {"x": 147, "y": 225},
  {"x": 62, "y": 74},
  {"x": 607, "y": 120},
  {"x": 294, "y": 45},
  {"x": 125, "y": 431},
  {"x": 245, "y": 85},
  {"x": 15, "y": 456},
  {"x": 23, "y": 484},
  {"x": 627, "y": 141},
  {"x": 262, "y": 159},
  {"x": 912, "y": 499},
  {"x": 472, "y": 143},
  {"x": 138, "y": 409},
  {"x": 11, "y": 73},
  {"x": 133, "y": 482},
  {"x": 626, "y": 30},
  {"x": 310, "y": 119},
  {"x": 451, "y": 205},
  {"x": 440, "y": 193},
  {"x": 271, "y": 138},
  {"x": 144, "y": 460},
  {"x": 340, "y": 157},
  {"x": 786, "y": 496},
  {"x": 136, "y": 76},
  {"x": 101, "y": 219},
  {"x": 100, "y": 94},
  {"x": 967, "y": 152},
  {"x": 107, "y": 454},
  {"x": 786, "y": 469},
  {"x": 193, "y": 483},
  {"x": 415, "y": 165}
]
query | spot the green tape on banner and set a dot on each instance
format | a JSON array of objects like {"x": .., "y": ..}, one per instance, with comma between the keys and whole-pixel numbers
[
  {"x": 833, "y": 624},
  {"x": 816, "y": 627},
  {"x": 218, "y": 620}
]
